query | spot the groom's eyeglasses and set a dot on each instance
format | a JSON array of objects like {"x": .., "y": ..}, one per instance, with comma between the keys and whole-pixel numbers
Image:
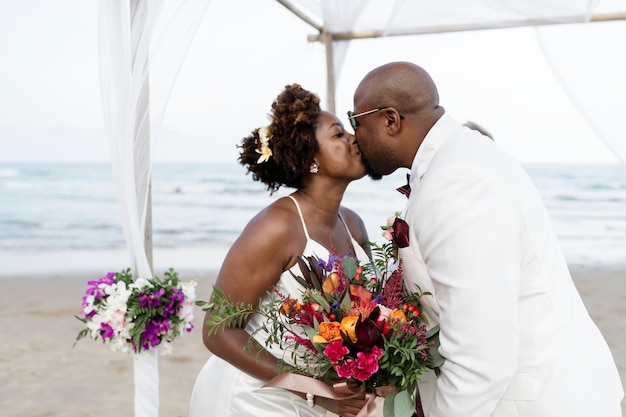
[{"x": 352, "y": 117}]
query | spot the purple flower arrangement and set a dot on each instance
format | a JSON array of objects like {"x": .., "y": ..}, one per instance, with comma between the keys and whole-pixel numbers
[{"x": 137, "y": 315}]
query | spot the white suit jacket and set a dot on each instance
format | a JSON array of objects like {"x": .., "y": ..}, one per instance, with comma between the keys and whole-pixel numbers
[{"x": 517, "y": 339}]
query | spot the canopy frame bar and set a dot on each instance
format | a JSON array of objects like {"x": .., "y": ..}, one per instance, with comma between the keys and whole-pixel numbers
[
  {"x": 327, "y": 38},
  {"x": 368, "y": 34}
]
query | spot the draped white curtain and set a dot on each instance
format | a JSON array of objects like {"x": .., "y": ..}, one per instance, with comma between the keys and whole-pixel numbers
[
  {"x": 339, "y": 15},
  {"x": 588, "y": 73},
  {"x": 593, "y": 75},
  {"x": 142, "y": 46},
  {"x": 402, "y": 17}
]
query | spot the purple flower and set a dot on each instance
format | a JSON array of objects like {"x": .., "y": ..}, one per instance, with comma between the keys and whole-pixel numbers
[
  {"x": 176, "y": 300},
  {"x": 153, "y": 333},
  {"x": 152, "y": 299},
  {"x": 328, "y": 266},
  {"x": 106, "y": 331},
  {"x": 95, "y": 290},
  {"x": 84, "y": 305},
  {"x": 322, "y": 265}
]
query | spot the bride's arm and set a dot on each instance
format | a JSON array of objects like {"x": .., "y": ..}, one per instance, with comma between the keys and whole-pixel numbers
[
  {"x": 269, "y": 244},
  {"x": 253, "y": 265}
]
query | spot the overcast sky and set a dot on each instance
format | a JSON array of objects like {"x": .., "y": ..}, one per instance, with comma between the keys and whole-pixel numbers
[{"x": 247, "y": 50}]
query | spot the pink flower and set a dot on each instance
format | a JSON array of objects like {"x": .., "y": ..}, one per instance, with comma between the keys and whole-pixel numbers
[
  {"x": 118, "y": 320},
  {"x": 384, "y": 312},
  {"x": 388, "y": 233},
  {"x": 365, "y": 366},
  {"x": 377, "y": 352},
  {"x": 336, "y": 351},
  {"x": 346, "y": 369}
]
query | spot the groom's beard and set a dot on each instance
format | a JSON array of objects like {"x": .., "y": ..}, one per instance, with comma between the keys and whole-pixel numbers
[{"x": 369, "y": 170}]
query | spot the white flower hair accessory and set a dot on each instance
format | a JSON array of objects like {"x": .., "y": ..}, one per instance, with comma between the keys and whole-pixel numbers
[{"x": 265, "y": 150}]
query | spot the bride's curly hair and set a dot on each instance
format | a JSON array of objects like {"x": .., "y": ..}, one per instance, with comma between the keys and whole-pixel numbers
[{"x": 292, "y": 140}]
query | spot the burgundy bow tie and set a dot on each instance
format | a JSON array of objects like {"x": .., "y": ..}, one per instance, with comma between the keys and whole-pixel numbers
[{"x": 405, "y": 189}]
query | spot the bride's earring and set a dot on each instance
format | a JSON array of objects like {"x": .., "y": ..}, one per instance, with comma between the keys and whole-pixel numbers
[{"x": 314, "y": 169}]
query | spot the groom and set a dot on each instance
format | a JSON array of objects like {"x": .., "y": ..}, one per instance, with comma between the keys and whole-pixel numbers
[{"x": 515, "y": 334}]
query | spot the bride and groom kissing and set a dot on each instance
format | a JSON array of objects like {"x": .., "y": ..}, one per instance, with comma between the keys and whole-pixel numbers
[{"x": 514, "y": 332}]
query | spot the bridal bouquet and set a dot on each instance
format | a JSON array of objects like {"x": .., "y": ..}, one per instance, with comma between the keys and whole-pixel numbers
[
  {"x": 353, "y": 322},
  {"x": 137, "y": 315}
]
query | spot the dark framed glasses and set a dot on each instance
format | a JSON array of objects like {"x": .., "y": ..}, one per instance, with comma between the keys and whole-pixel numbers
[{"x": 352, "y": 117}]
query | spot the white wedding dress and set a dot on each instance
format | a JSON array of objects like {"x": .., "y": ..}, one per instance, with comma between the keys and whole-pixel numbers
[{"x": 225, "y": 391}]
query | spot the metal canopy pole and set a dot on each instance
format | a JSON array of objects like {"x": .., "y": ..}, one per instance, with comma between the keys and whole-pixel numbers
[
  {"x": 330, "y": 71},
  {"x": 326, "y": 38}
]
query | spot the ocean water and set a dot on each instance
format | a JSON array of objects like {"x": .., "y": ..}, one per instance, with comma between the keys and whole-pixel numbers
[{"x": 47, "y": 207}]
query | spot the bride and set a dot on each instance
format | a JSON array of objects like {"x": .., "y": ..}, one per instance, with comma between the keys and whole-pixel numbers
[{"x": 307, "y": 149}]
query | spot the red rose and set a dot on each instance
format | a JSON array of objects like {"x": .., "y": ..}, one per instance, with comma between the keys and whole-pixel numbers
[{"x": 400, "y": 233}]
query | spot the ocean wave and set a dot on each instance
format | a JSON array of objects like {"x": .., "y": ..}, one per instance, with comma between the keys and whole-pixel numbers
[{"x": 73, "y": 206}]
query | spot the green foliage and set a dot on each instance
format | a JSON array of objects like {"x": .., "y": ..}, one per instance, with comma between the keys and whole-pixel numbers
[
  {"x": 388, "y": 405},
  {"x": 318, "y": 298},
  {"x": 401, "y": 362},
  {"x": 124, "y": 276},
  {"x": 436, "y": 360},
  {"x": 312, "y": 275},
  {"x": 399, "y": 404},
  {"x": 83, "y": 333},
  {"x": 349, "y": 265},
  {"x": 382, "y": 257},
  {"x": 224, "y": 312},
  {"x": 403, "y": 405}
]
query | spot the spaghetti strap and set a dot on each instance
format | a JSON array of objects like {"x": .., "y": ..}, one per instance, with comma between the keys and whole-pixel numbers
[
  {"x": 352, "y": 239},
  {"x": 306, "y": 232},
  {"x": 345, "y": 225}
]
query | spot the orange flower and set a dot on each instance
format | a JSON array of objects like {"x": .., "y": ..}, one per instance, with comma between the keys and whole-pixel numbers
[
  {"x": 331, "y": 283},
  {"x": 328, "y": 332},
  {"x": 362, "y": 304},
  {"x": 289, "y": 306},
  {"x": 397, "y": 316},
  {"x": 348, "y": 327},
  {"x": 361, "y": 293}
]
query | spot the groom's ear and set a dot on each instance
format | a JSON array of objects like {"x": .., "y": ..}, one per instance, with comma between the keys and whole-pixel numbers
[{"x": 392, "y": 120}]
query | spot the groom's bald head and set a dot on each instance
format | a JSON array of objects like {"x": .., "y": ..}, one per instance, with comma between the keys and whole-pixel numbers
[{"x": 403, "y": 85}]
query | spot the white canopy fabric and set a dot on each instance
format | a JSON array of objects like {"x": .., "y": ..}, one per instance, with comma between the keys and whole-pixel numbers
[
  {"x": 353, "y": 19},
  {"x": 142, "y": 46},
  {"x": 339, "y": 21},
  {"x": 590, "y": 73},
  {"x": 393, "y": 17}
]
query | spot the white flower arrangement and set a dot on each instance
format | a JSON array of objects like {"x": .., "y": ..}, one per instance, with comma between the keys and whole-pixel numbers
[{"x": 135, "y": 316}]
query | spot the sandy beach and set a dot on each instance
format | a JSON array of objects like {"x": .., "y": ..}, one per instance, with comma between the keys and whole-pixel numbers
[{"x": 42, "y": 375}]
